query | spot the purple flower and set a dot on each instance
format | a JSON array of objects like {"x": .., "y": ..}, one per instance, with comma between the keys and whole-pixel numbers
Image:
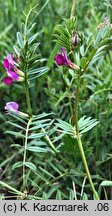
[
  {"x": 12, "y": 71},
  {"x": 75, "y": 40},
  {"x": 12, "y": 107},
  {"x": 7, "y": 80},
  {"x": 61, "y": 59},
  {"x": 9, "y": 62},
  {"x": 106, "y": 21}
]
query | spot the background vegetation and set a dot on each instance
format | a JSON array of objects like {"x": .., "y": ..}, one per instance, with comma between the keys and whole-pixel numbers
[{"x": 54, "y": 177}]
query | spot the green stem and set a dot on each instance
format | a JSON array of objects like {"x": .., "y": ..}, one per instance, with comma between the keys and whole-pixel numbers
[
  {"x": 70, "y": 105},
  {"x": 55, "y": 150},
  {"x": 73, "y": 9},
  {"x": 80, "y": 143},
  {"x": 49, "y": 142},
  {"x": 86, "y": 167},
  {"x": 25, "y": 150},
  {"x": 25, "y": 72},
  {"x": 28, "y": 98},
  {"x": 29, "y": 108},
  {"x": 19, "y": 193},
  {"x": 11, "y": 188},
  {"x": 76, "y": 104}
]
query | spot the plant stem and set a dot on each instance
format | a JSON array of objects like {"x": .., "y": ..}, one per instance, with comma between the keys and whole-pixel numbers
[
  {"x": 50, "y": 144},
  {"x": 76, "y": 104},
  {"x": 73, "y": 9},
  {"x": 11, "y": 188},
  {"x": 25, "y": 149},
  {"x": 28, "y": 98},
  {"x": 86, "y": 167},
  {"x": 25, "y": 71},
  {"x": 80, "y": 143},
  {"x": 70, "y": 105},
  {"x": 19, "y": 193},
  {"x": 29, "y": 108}
]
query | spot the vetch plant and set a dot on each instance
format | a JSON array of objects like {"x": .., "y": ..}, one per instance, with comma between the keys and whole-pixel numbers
[
  {"x": 50, "y": 149},
  {"x": 85, "y": 56},
  {"x": 21, "y": 65}
]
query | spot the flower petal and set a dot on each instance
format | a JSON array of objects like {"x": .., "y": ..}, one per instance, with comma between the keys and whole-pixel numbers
[
  {"x": 12, "y": 74},
  {"x": 59, "y": 59},
  {"x": 6, "y": 64},
  {"x": 64, "y": 56},
  {"x": 12, "y": 106},
  {"x": 7, "y": 80},
  {"x": 75, "y": 40},
  {"x": 10, "y": 59},
  {"x": 73, "y": 66}
]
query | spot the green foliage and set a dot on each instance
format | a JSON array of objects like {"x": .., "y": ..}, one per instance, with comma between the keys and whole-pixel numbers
[
  {"x": 66, "y": 128},
  {"x": 86, "y": 124},
  {"x": 53, "y": 163},
  {"x": 70, "y": 145},
  {"x": 65, "y": 34}
]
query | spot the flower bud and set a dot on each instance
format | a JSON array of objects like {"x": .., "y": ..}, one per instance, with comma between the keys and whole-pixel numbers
[
  {"x": 19, "y": 72},
  {"x": 73, "y": 66},
  {"x": 74, "y": 40},
  {"x": 23, "y": 114},
  {"x": 21, "y": 79},
  {"x": 106, "y": 21}
]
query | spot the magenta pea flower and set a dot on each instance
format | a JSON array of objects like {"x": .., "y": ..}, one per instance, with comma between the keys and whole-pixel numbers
[
  {"x": 62, "y": 60},
  {"x": 12, "y": 71},
  {"x": 10, "y": 67},
  {"x": 9, "y": 62},
  {"x": 7, "y": 80}
]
